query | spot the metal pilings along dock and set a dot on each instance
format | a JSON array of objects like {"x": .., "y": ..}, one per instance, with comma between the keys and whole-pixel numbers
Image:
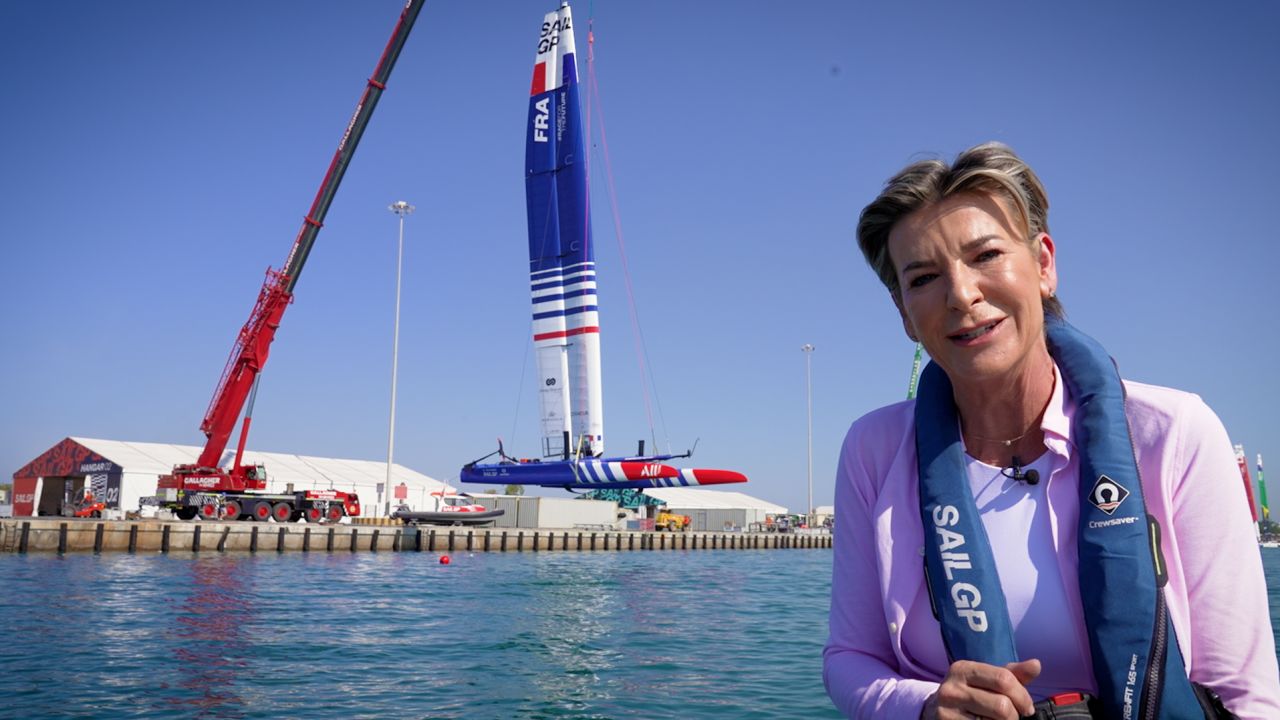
[{"x": 61, "y": 535}]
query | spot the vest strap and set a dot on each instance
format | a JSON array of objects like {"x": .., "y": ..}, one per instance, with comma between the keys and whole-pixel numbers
[{"x": 1136, "y": 661}]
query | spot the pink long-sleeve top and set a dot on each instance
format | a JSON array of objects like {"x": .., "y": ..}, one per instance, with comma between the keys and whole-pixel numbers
[{"x": 885, "y": 656}]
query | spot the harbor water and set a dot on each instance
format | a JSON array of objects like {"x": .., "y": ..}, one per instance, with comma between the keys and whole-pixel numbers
[{"x": 734, "y": 634}]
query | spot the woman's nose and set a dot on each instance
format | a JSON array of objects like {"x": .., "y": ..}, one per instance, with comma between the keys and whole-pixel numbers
[{"x": 964, "y": 288}]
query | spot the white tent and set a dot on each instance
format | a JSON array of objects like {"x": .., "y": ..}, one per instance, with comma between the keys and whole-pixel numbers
[
  {"x": 143, "y": 463},
  {"x": 716, "y": 509},
  {"x": 700, "y": 499}
]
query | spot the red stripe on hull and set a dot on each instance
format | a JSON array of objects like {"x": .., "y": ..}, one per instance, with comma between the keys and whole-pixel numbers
[
  {"x": 717, "y": 477},
  {"x": 647, "y": 471}
]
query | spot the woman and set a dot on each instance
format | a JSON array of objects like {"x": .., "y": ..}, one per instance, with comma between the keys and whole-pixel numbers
[{"x": 1087, "y": 542}]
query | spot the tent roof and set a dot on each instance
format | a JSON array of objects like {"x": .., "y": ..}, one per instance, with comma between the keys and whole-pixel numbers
[
  {"x": 159, "y": 458},
  {"x": 700, "y": 499}
]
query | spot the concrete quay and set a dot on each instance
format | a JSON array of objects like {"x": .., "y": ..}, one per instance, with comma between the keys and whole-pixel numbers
[{"x": 68, "y": 535}]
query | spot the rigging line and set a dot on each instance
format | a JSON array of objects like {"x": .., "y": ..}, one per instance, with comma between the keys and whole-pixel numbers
[
  {"x": 524, "y": 367},
  {"x": 637, "y": 332},
  {"x": 320, "y": 472}
]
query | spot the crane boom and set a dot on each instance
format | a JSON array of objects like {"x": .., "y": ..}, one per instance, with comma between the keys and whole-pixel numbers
[
  {"x": 253, "y": 344},
  {"x": 208, "y": 490}
]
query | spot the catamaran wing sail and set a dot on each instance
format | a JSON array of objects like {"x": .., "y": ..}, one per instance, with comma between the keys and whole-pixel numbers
[
  {"x": 562, "y": 274},
  {"x": 546, "y": 273},
  {"x": 566, "y": 325}
]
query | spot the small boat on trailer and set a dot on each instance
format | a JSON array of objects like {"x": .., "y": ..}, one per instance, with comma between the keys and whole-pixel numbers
[{"x": 451, "y": 510}]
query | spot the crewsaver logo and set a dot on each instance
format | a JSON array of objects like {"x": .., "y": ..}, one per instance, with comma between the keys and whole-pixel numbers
[{"x": 1107, "y": 494}]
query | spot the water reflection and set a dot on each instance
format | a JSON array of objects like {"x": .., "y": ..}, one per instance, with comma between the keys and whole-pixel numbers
[
  {"x": 341, "y": 635},
  {"x": 209, "y": 645},
  {"x": 573, "y": 643}
]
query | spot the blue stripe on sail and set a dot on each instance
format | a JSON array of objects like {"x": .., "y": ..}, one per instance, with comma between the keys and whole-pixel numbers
[
  {"x": 563, "y": 296},
  {"x": 579, "y": 310},
  {"x": 546, "y": 286},
  {"x": 549, "y": 314},
  {"x": 538, "y": 275}
]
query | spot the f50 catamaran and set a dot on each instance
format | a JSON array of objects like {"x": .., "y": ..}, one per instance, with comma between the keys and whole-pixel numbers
[{"x": 562, "y": 276}]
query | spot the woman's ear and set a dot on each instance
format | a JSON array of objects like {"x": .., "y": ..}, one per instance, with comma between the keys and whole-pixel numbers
[{"x": 1048, "y": 267}]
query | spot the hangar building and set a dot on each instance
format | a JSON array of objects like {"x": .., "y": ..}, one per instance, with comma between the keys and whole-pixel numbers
[{"x": 122, "y": 473}]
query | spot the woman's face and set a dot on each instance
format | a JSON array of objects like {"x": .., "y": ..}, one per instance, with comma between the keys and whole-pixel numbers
[{"x": 971, "y": 290}]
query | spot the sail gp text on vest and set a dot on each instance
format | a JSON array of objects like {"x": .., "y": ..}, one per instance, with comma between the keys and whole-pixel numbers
[{"x": 965, "y": 596}]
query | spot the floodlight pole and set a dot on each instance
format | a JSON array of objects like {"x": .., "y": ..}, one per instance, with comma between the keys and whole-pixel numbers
[
  {"x": 808, "y": 391},
  {"x": 401, "y": 209}
]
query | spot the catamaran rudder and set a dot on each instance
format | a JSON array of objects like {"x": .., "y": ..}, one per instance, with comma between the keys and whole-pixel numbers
[{"x": 562, "y": 274}]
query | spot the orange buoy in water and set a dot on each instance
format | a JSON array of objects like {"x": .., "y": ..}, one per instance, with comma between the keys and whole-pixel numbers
[{"x": 444, "y": 559}]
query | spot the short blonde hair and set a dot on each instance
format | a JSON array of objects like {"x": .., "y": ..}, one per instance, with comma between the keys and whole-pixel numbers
[{"x": 991, "y": 168}]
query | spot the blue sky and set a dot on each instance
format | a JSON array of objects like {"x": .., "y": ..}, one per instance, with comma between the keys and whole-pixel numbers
[{"x": 160, "y": 156}]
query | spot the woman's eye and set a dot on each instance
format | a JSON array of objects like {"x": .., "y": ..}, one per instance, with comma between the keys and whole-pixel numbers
[
  {"x": 986, "y": 255},
  {"x": 921, "y": 280}
]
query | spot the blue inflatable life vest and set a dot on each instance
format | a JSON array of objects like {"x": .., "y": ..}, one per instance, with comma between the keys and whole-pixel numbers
[{"x": 1136, "y": 660}]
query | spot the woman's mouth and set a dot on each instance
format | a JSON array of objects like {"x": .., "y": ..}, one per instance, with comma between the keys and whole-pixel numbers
[{"x": 976, "y": 333}]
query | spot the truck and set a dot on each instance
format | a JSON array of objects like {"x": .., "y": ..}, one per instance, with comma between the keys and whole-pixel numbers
[
  {"x": 205, "y": 489},
  {"x": 672, "y": 522}
]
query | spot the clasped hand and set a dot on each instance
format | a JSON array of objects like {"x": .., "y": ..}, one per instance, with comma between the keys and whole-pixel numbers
[{"x": 978, "y": 690}]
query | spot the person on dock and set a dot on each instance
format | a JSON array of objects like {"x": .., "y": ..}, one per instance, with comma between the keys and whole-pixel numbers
[{"x": 1031, "y": 534}]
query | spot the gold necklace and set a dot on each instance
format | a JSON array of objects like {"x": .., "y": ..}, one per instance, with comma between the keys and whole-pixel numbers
[{"x": 1006, "y": 443}]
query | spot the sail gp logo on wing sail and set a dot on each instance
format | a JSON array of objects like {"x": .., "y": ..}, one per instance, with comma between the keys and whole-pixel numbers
[{"x": 1107, "y": 494}]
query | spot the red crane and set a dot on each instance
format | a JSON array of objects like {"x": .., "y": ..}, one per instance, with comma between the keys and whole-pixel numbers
[{"x": 203, "y": 488}]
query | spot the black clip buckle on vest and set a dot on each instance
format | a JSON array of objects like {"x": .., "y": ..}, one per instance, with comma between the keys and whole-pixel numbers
[{"x": 1067, "y": 706}]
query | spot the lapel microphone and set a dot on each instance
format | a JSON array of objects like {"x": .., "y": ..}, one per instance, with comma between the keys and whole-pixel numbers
[{"x": 1030, "y": 477}]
